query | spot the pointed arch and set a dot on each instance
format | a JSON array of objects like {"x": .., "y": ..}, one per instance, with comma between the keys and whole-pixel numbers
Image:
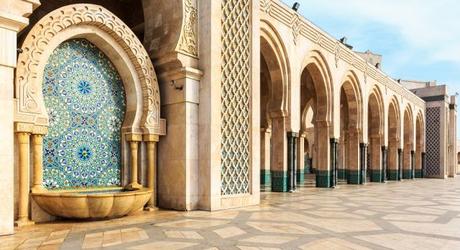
[
  {"x": 316, "y": 69},
  {"x": 375, "y": 100},
  {"x": 352, "y": 92},
  {"x": 274, "y": 56}
]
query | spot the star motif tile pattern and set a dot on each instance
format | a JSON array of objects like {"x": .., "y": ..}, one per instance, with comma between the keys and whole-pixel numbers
[
  {"x": 85, "y": 101},
  {"x": 415, "y": 214}
]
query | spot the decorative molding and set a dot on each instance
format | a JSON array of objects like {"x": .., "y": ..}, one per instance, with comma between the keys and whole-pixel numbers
[
  {"x": 188, "y": 41},
  {"x": 295, "y": 24},
  {"x": 30, "y": 106},
  {"x": 280, "y": 12}
]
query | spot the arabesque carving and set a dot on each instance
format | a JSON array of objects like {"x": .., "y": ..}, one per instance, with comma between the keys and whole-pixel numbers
[{"x": 188, "y": 39}]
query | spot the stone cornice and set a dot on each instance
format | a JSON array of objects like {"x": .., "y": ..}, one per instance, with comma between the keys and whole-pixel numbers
[{"x": 302, "y": 27}]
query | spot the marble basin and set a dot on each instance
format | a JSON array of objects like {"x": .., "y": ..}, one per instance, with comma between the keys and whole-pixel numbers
[{"x": 92, "y": 204}]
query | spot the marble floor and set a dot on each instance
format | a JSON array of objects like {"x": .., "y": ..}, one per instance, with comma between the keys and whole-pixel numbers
[{"x": 413, "y": 214}]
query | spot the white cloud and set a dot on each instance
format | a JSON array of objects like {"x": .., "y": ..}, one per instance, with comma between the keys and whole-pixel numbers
[{"x": 430, "y": 25}]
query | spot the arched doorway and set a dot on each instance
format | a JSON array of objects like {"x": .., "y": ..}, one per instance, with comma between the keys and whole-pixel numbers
[
  {"x": 350, "y": 130},
  {"x": 377, "y": 150},
  {"x": 419, "y": 146},
  {"x": 273, "y": 111},
  {"x": 408, "y": 150},
  {"x": 316, "y": 103},
  {"x": 394, "y": 151}
]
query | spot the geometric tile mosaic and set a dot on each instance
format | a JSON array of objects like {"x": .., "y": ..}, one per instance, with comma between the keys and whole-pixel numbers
[
  {"x": 433, "y": 154},
  {"x": 85, "y": 101}
]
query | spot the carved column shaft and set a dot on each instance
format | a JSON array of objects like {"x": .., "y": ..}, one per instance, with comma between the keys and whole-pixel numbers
[
  {"x": 134, "y": 140},
  {"x": 23, "y": 162},
  {"x": 37, "y": 152},
  {"x": 151, "y": 141}
]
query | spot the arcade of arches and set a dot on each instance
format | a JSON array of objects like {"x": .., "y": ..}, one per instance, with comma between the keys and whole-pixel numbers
[{"x": 113, "y": 107}]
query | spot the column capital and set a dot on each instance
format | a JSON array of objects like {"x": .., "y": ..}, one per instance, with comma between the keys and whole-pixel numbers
[
  {"x": 133, "y": 137},
  {"x": 151, "y": 138}
]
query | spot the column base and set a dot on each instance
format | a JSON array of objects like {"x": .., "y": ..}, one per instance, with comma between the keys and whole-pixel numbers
[
  {"x": 407, "y": 174},
  {"x": 133, "y": 186},
  {"x": 300, "y": 176},
  {"x": 279, "y": 181},
  {"x": 323, "y": 179},
  {"x": 353, "y": 177},
  {"x": 418, "y": 173},
  {"x": 342, "y": 174},
  {"x": 22, "y": 222},
  {"x": 376, "y": 175},
  {"x": 393, "y": 175},
  {"x": 265, "y": 177}
]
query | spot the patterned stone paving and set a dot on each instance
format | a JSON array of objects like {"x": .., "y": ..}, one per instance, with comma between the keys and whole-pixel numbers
[{"x": 413, "y": 214}]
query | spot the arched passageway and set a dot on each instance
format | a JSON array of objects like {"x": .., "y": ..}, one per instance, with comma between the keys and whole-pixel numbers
[
  {"x": 419, "y": 146},
  {"x": 273, "y": 101},
  {"x": 376, "y": 150},
  {"x": 408, "y": 150},
  {"x": 315, "y": 107},
  {"x": 350, "y": 130},
  {"x": 394, "y": 171}
]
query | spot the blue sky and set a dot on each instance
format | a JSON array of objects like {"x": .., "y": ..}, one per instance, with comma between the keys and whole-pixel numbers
[{"x": 419, "y": 39}]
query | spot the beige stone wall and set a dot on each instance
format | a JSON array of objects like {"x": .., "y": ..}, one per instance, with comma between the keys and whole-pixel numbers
[{"x": 13, "y": 18}]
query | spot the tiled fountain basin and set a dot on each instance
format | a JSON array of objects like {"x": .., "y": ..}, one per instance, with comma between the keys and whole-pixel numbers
[{"x": 92, "y": 204}]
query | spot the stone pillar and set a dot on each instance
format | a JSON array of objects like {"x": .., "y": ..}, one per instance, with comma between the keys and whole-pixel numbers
[
  {"x": 292, "y": 160},
  {"x": 452, "y": 140},
  {"x": 412, "y": 164},
  {"x": 23, "y": 171},
  {"x": 363, "y": 161},
  {"x": 37, "y": 152},
  {"x": 151, "y": 141},
  {"x": 178, "y": 152},
  {"x": 384, "y": 163},
  {"x": 134, "y": 140},
  {"x": 265, "y": 176},
  {"x": 334, "y": 161},
  {"x": 407, "y": 164},
  {"x": 353, "y": 163},
  {"x": 423, "y": 172},
  {"x": 376, "y": 159},
  {"x": 301, "y": 160},
  {"x": 323, "y": 155},
  {"x": 392, "y": 164},
  {"x": 13, "y": 18},
  {"x": 279, "y": 153}
]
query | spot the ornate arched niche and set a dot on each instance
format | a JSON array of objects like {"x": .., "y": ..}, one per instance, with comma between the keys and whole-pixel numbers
[{"x": 108, "y": 35}]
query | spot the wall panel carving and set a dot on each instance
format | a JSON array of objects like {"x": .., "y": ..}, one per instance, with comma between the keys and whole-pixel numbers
[
  {"x": 188, "y": 43},
  {"x": 236, "y": 91}
]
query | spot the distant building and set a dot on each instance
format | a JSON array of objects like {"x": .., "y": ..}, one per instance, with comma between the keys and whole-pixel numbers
[{"x": 441, "y": 124}]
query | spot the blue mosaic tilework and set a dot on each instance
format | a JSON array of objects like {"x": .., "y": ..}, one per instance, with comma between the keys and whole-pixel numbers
[{"x": 85, "y": 100}]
